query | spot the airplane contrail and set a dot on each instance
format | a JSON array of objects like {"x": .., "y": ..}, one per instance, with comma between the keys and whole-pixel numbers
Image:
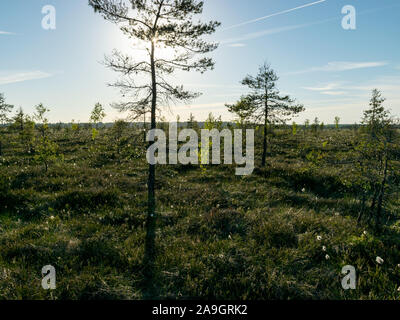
[{"x": 275, "y": 14}]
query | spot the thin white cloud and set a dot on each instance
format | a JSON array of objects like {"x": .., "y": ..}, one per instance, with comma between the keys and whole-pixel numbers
[
  {"x": 359, "y": 91},
  {"x": 334, "y": 93},
  {"x": 328, "y": 87},
  {"x": 262, "y": 33},
  {"x": 6, "y": 32},
  {"x": 237, "y": 45},
  {"x": 275, "y": 14},
  {"x": 337, "y": 66},
  {"x": 266, "y": 32},
  {"x": 385, "y": 83},
  {"x": 344, "y": 66},
  {"x": 23, "y": 76}
]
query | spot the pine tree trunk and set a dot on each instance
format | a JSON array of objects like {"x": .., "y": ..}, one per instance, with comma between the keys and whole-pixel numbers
[
  {"x": 265, "y": 145},
  {"x": 150, "y": 253},
  {"x": 264, "y": 156},
  {"x": 144, "y": 128}
]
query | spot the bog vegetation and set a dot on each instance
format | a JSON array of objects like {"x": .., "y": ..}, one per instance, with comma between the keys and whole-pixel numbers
[
  {"x": 75, "y": 196},
  {"x": 82, "y": 197}
]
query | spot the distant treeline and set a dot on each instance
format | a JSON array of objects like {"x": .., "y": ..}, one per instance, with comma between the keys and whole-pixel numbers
[{"x": 185, "y": 124}]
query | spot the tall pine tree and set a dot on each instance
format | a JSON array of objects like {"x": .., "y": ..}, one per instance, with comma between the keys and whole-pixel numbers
[{"x": 160, "y": 25}]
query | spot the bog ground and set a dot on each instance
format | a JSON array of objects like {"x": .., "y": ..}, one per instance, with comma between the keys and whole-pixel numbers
[{"x": 284, "y": 232}]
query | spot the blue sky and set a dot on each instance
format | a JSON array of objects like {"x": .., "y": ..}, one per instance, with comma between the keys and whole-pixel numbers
[{"x": 328, "y": 69}]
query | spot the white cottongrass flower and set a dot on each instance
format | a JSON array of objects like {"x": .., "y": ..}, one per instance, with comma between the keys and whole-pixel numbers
[
  {"x": 327, "y": 257},
  {"x": 303, "y": 190},
  {"x": 379, "y": 260},
  {"x": 51, "y": 217},
  {"x": 319, "y": 238},
  {"x": 365, "y": 233}
]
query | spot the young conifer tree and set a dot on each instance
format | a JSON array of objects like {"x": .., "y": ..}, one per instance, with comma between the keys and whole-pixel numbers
[
  {"x": 5, "y": 109},
  {"x": 265, "y": 103}
]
